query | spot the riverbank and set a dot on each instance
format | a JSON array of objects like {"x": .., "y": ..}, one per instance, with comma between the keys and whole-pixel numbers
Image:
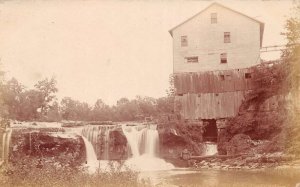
[{"x": 247, "y": 162}]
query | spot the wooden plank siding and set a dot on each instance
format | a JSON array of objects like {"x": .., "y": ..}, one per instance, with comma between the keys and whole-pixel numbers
[
  {"x": 210, "y": 105},
  {"x": 213, "y": 82}
]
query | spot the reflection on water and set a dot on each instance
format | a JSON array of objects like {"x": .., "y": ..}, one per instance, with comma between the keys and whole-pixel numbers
[{"x": 210, "y": 178}]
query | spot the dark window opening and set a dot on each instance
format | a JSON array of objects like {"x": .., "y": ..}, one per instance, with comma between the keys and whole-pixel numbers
[
  {"x": 247, "y": 75},
  {"x": 226, "y": 37},
  {"x": 217, "y": 94},
  {"x": 210, "y": 130},
  {"x": 193, "y": 59},
  {"x": 223, "y": 58},
  {"x": 184, "y": 41},
  {"x": 213, "y": 18},
  {"x": 179, "y": 94}
]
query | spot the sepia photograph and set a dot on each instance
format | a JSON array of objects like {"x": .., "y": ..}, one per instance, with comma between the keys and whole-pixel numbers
[{"x": 140, "y": 93}]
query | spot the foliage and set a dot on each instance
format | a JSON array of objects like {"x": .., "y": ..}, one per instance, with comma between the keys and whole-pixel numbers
[
  {"x": 74, "y": 110},
  {"x": 171, "y": 89},
  {"x": 40, "y": 104},
  {"x": 292, "y": 56},
  {"x": 280, "y": 126},
  {"x": 101, "y": 111},
  {"x": 46, "y": 89},
  {"x": 28, "y": 104},
  {"x": 125, "y": 109},
  {"x": 38, "y": 172}
]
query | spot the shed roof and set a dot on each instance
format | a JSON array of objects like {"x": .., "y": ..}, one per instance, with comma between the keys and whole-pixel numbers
[{"x": 218, "y": 4}]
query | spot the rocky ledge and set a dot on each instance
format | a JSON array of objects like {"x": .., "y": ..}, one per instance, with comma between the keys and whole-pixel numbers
[{"x": 258, "y": 161}]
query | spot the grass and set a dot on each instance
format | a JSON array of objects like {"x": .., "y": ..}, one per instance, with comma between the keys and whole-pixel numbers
[{"x": 37, "y": 173}]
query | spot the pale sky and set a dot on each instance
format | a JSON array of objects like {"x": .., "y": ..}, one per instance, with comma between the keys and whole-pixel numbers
[{"x": 108, "y": 49}]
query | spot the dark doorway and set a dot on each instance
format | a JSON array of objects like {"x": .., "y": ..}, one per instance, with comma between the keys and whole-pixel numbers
[{"x": 210, "y": 130}]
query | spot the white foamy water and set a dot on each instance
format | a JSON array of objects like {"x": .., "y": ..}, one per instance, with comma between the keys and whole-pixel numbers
[
  {"x": 210, "y": 148},
  {"x": 91, "y": 157},
  {"x": 144, "y": 142},
  {"x": 6, "y": 143},
  {"x": 147, "y": 162},
  {"x": 35, "y": 125}
]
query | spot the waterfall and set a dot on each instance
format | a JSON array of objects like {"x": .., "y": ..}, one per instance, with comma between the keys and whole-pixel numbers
[
  {"x": 91, "y": 157},
  {"x": 106, "y": 144},
  {"x": 152, "y": 142},
  {"x": 210, "y": 148},
  {"x": 134, "y": 136},
  {"x": 97, "y": 136},
  {"x": 5, "y": 144},
  {"x": 143, "y": 141}
]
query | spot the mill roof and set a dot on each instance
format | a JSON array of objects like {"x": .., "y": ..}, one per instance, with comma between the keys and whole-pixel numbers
[{"x": 218, "y": 4}]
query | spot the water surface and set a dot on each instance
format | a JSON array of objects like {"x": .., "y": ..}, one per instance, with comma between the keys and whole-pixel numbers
[{"x": 208, "y": 178}]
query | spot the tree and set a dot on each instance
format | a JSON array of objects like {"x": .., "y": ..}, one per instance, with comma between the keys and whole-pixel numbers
[
  {"x": 47, "y": 89},
  {"x": 75, "y": 110},
  {"x": 54, "y": 113},
  {"x": 171, "y": 90},
  {"x": 292, "y": 57},
  {"x": 101, "y": 111},
  {"x": 3, "y": 108},
  {"x": 292, "y": 34},
  {"x": 68, "y": 108},
  {"x": 165, "y": 105},
  {"x": 146, "y": 106},
  {"x": 30, "y": 103},
  {"x": 126, "y": 110},
  {"x": 11, "y": 95}
]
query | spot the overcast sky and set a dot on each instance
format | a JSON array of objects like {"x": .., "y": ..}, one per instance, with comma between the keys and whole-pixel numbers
[{"x": 107, "y": 50}]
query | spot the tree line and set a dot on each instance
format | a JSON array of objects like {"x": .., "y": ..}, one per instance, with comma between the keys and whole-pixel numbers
[{"x": 41, "y": 104}]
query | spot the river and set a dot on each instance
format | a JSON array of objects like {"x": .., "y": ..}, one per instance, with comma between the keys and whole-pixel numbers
[{"x": 218, "y": 178}]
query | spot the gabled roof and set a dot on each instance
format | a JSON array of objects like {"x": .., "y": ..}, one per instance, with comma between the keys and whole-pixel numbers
[{"x": 218, "y": 4}]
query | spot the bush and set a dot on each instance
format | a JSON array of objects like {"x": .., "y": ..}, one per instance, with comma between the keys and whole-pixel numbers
[{"x": 38, "y": 172}]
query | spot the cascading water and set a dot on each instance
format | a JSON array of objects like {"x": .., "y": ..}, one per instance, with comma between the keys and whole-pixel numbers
[
  {"x": 94, "y": 137},
  {"x": 106, "y": 144},
  {"x": 143, "y": 141},
  {"x": 91, "y": 157},
  {"x": 210, "y": 148},
  {"x": 5, "y": 144},
  {"x": 99, "y": 138}
]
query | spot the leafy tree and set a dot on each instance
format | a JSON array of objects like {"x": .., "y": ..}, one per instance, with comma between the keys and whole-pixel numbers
[
  {"x": 75, "y": 110},
  {"x": 54, "y": 113},
  {"x": 165, "y": 105},
  {"x": 11, "y": 95},
  {"x": 146, "y": 106},
  {"x": 83, "y": 111},
  {"x": 101, "y": 111},
  {"x": 47, "y": 89},
  {"x": 126, "y": 110},
  {"x": 171, "y": 90},
  {"x": 68, "y": 108},
  {"x": 30, "y": 103},
  {"x": 292, "y": 57}
]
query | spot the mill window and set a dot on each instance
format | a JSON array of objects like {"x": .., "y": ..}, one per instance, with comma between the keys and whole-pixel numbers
[
  {"x": 213, "y": 18},
  {"x": 184, "y": 41},
  {"x": 223, "y": 58},
  {"x": 247, "y": 75},
  {"x": 226, "y": 37},
  {"x": 193, "y": 59}
]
